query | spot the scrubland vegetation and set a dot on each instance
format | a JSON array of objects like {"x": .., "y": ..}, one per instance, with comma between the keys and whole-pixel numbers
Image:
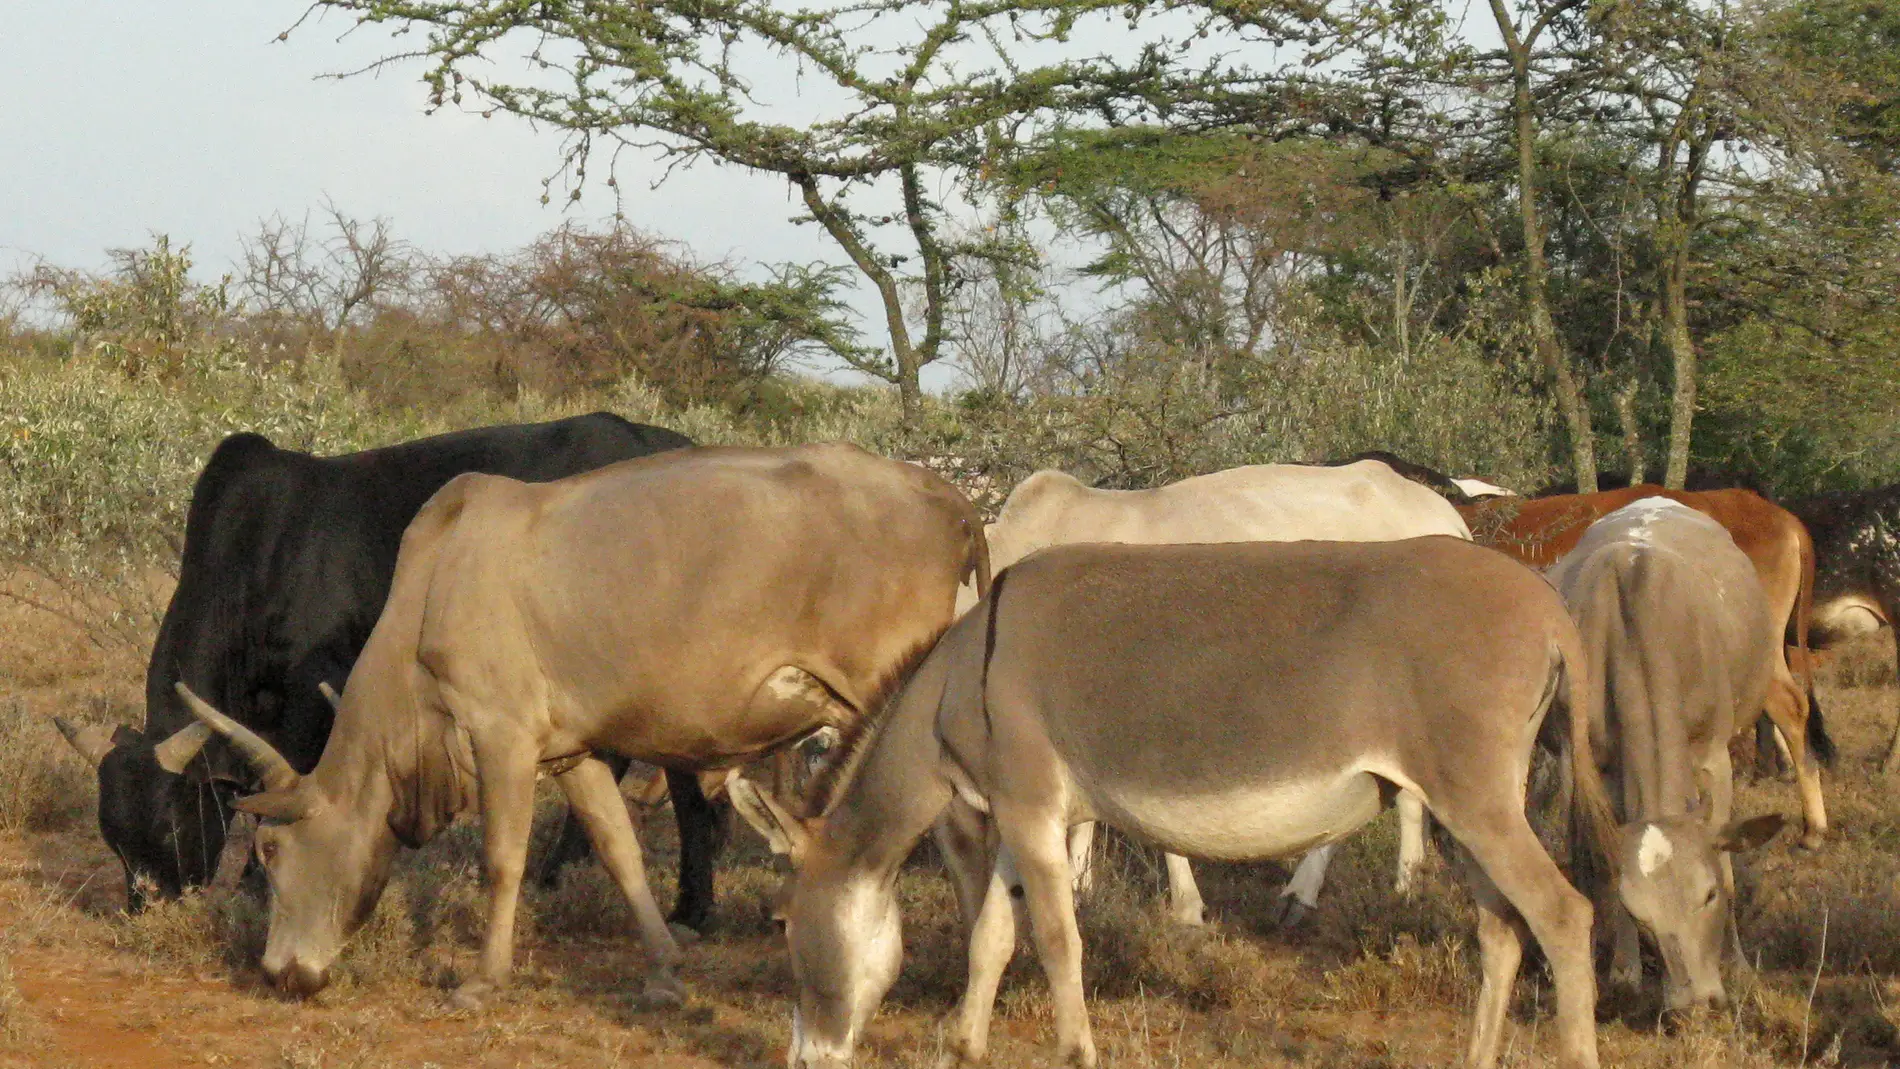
[{"x": 1375, "y": 254}]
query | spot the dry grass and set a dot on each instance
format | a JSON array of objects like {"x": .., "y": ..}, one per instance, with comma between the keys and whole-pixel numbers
[{"x": 1371, "y": 980}]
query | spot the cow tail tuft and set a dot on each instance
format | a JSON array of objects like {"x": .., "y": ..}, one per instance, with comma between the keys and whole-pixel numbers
[{"x": 1592, "y": 816}]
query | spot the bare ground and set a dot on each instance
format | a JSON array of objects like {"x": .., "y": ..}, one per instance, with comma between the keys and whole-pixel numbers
[{"x": 1370, "y": 981}]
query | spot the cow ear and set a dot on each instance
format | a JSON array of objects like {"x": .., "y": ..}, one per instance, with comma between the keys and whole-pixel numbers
[
  {"x": 784, "y": 833},
  {"x": 1743, "y": 835},
  {"x": 284, "y": 806},
  {"x": 175, "y": 753}
]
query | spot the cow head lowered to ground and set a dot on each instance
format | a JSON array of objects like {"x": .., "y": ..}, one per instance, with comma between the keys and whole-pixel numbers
[
  {"x": 1680, "y": 643},
  {"x": 694, "y": 610},
  {"x": 286, "y": 563},
  {"x": 1671, "y": 881},
  {"x": 335, "y": 865}
]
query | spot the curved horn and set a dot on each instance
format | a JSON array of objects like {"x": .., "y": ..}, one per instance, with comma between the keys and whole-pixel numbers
[
  {"x": 276, "y": 772},
  {"x": 91, "y": 741},
  {"x": 329, "y": 695},
  {"x": 175, "y": 753}
]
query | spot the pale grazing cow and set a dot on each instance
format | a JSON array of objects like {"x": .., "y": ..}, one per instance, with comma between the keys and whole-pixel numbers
[
  {"x": 1541, "y": 530},
  {"x": 1680, "y": 643},
  {"x": 1064, "y": 698},
  {"x": 691, "y": 610},
  {"x": 1364, "y": 501}
]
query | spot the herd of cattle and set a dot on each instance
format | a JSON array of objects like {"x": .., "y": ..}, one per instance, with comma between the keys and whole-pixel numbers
[{"x": 1250, "y": 664}]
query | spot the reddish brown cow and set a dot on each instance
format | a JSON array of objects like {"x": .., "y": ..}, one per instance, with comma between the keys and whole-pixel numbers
[{"x": 1539, "y": 531}]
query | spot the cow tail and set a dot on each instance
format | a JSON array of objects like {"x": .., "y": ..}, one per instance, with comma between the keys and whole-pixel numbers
[
  {"x": 1820, "y": 744},
  {"x": 978, "y": 562},
  {"x": 989, "y": 644},
  {"x": 1593, "y": 824}
]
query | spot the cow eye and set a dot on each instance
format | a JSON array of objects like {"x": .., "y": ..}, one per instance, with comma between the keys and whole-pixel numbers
[
  {"x": 266, "y": 851},
  {"x": 1714, "y": 893}
]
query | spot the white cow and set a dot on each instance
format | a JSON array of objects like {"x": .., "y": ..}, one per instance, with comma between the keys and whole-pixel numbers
[{"x": 1365, "y": 501}]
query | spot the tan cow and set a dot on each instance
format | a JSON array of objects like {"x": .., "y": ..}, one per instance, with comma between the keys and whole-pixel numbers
[
  {"x": 1681, "y": 645},
  {"x": 693, "y": 609},
  {"x": 1064, "y": 697},
  {"x": 1365, "y": 501}
]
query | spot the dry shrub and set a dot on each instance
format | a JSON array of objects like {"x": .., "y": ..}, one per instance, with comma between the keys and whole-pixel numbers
[
  {"x": 1410, "y": 973},
  {"x": 1132, "y": 947},
  {"x": 199, "y": 931},
  {"x": 1867, "y": 661},
  {"x": 15, "y": 1023},
  {"x": 585, "y": 903},
  {"x": 43, "y": 785},
  {"x": 1360, "y": 912}
]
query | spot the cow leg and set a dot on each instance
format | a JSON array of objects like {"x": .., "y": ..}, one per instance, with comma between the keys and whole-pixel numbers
[
  {"x": 992, "y": 941},
  {"x": 570, "y": 843},
  {"x": 1184, "y": 895},
  {"x": 595, "y": 798},
  {"x": 1770, "y": 749},
  {"x": 1039, "y": 844},
  {"x": 1411, "y": 841},
  {"x": 1301, "y": 893},
  {"x": 1513, "y": 864},
  {"x": 962, "y": 835},
  {"x": 1788, "y": 706},
  {"x": 1500, "y": 951},
  {"x": 507, "y": 798},
  {"x": 1892, "y": 762},
  {"x": 698, "y": 822},
  {"x": 1082, "y": 855}
]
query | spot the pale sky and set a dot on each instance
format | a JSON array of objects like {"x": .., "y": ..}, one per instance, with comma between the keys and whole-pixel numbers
[{"x": 126, "y": 118}]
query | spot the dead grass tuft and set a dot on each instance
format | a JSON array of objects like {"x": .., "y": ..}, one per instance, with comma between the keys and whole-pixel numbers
[
  {"x": 199, "y": 932},
  {"x": 1409, "y": 973},
  {"x": 43, "y": 784},
  {"x": 1868, "y": 661},
  {"x": 1132, "y": 947},
  {"x": 17, "y": 1027}
]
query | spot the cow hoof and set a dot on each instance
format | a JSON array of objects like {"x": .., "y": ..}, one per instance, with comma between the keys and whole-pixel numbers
[
  {"x": 472, "y": 995},
  {"x": 663, "y": 992},
  {"x": 1289, "y": 911},
  {"x": 1189, "y": 918},
  {"x": 1812, "y": 841},
  {"x": 682, "y": 935}
]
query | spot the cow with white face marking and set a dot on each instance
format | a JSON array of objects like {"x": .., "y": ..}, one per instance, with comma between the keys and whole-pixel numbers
[
  {"x": 1680, "y": 642},
  {"x": 1359, "y": 501},
  {"x": 693, "y": 610}
]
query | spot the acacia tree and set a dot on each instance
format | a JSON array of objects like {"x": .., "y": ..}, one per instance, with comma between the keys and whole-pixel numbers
[{"x": 916, "y": 95}]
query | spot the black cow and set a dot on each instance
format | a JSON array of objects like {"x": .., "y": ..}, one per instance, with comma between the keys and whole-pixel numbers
[
  {"x": 1856, "y": 570},
  {"x": 287, "y": 561}
]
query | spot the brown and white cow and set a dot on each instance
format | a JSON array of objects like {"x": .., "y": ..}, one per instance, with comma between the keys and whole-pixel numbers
[
  {"x": 1539, "y": 531},
  {"x": 1063, "y": 699},
  {"x": 1361, "y": 501},
  {"x": 1680, "y": 643},
  {"x": 692, "y": 610}
]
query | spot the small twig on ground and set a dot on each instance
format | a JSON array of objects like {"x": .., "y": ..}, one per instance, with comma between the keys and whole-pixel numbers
[{"x": 1819, "y": 964}]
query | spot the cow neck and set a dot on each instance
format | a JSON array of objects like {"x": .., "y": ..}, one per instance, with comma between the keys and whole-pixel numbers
[
  {"x": 888, "y": 789},
  {"x": 392, "y": 758}
]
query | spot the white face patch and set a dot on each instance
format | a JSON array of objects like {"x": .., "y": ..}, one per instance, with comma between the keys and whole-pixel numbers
[{"x": 1653, "y": 850}]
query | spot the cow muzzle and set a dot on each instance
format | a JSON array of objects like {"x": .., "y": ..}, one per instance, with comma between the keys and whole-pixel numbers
[{"x": 300, "y": 979}]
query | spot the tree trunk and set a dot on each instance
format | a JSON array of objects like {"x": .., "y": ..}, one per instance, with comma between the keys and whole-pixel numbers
[
  {"x": 1536, "y": 286},
  {"x": 1683, "y": 362},
  {"x": 1632, "y": 435}
]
